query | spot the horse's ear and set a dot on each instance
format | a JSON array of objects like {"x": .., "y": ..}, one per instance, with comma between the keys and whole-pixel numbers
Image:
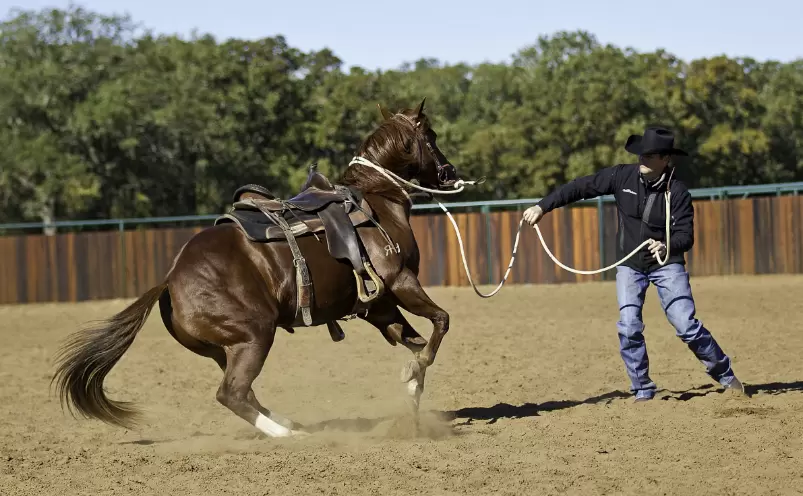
[
  {"x": 385, "y": 112},
  {"x": 419, "y": 111}
]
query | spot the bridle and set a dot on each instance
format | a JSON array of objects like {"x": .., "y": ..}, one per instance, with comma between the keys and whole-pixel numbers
[{"x": 444, "y": 172}]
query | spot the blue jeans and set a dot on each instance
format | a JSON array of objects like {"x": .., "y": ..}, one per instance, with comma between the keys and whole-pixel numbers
[{"x": 674, "y": 293}]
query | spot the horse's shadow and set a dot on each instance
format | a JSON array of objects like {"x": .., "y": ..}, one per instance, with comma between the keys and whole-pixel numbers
[
  {"x": 775, "y": 388},
  {"x": 771, "y": 388},
  {"x": 491, "y": 414},
  {"x": 506, "y": 410}
]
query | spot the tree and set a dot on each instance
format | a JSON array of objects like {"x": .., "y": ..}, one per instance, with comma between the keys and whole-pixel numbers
[
  {"x": 51, "y": 62},
  {"x": 101, "y": 119}
]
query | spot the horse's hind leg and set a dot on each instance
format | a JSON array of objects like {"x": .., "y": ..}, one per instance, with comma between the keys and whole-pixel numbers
[
  {"x": 244, "y": 362},
  {"x": 279, "y": 419},
  {"x": 219, "y": 355},
  {"x": 241, "y": 364}
]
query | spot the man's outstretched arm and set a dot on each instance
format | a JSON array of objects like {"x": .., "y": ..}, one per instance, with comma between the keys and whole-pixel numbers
[{"x": 582, "y": 188}]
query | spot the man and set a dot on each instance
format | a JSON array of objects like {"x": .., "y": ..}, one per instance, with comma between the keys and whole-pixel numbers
[{"x": 639, "y": 191}]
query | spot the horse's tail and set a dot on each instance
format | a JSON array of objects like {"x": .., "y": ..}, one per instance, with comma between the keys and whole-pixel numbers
[{"x": 89, "y": 355}]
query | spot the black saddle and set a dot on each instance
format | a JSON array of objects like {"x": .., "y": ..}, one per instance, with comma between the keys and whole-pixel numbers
[{"x": 320, "y": 206}]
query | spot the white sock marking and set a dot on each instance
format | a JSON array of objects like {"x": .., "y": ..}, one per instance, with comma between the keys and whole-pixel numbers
[
  {"x": 281, "y": 420},
  {"x": 412, "y": 386},
  {"x": 270, "y": 427}
]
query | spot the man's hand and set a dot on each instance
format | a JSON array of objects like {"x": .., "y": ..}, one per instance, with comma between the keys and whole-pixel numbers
[
  {"x": 657, "y": 248},
  {"x": 533, "y": 215}
]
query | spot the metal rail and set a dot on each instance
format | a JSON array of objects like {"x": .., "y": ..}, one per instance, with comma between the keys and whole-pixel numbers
[{"x": 484, "y": 206}]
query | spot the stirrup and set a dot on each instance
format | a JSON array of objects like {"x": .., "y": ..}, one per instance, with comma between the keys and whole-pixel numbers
[{"x": 362, "y": 291}]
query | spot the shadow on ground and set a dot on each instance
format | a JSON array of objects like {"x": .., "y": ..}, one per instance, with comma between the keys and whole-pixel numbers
[
  {"x": 492, "y": 414},
  {"x": 506, "y": 410}
]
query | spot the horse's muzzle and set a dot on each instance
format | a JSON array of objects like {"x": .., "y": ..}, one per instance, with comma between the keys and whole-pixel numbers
[{"x": 447, "y": 176}]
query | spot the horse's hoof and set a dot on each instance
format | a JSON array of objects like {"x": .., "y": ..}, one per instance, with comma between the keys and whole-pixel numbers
[
  {"x": 410, "y": 370},
  {"x": 416, "y": 341}
]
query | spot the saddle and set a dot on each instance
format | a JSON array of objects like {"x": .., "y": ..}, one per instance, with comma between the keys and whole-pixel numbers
[{"x": 319, "y": 207}]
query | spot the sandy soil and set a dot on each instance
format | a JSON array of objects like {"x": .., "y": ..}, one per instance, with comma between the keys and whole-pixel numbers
[{"x": 528, "y": 396}]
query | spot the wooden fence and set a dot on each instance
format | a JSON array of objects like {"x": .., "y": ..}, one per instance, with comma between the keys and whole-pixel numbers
[{"x": 761, "y": 235}]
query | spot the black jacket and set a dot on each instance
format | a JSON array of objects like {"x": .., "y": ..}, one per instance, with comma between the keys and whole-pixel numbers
[{"x": 632, "y": 191}]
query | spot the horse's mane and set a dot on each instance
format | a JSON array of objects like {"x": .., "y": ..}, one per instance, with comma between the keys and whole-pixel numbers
[{"x": 395, "y": 145}]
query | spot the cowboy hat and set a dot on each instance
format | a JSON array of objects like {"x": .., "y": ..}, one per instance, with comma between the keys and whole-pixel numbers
[{"x": 655, "y": 140}]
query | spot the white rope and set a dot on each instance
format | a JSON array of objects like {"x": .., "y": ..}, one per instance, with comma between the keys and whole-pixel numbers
[
  {"x": 546, "y": 248},
  {"x": 460, "y": 184}
]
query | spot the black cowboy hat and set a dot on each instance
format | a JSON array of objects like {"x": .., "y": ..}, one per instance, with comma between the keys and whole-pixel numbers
[{"x": 655, "y": 140}]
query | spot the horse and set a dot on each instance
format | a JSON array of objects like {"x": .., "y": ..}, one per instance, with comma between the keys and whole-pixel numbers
[{"x": 228, "y": 291}]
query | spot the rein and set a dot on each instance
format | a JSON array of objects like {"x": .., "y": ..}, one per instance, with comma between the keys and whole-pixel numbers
[{"x": 459, "y": 186}]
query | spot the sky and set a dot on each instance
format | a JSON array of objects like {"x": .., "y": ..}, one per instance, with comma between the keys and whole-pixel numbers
[{"x": 385, "y": 34}]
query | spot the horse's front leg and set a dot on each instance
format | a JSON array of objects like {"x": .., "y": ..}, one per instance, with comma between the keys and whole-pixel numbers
[
  {"x": 387, "y": 317},
  {"x": 411, "y": 296}
]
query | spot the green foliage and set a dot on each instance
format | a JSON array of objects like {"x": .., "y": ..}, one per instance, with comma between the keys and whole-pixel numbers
[{"x": 98, "y": 119}]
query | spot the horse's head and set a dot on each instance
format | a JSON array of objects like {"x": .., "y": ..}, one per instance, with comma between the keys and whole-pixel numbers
[{"x": 406, "y": 144}]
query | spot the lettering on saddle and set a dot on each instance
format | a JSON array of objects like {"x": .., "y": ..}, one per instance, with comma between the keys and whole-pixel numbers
[{"x": 320, "y": 206}]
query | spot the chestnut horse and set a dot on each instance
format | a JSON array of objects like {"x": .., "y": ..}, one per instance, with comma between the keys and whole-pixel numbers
[{"x": 225, "y": 295}]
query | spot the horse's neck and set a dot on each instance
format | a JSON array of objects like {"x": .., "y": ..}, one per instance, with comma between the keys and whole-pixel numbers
[
  {"x": 389, "y": 210},
  {"x": 376, "y": 182}
]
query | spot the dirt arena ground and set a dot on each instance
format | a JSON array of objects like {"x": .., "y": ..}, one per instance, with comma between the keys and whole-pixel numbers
[{"x": 528, "y": 396}]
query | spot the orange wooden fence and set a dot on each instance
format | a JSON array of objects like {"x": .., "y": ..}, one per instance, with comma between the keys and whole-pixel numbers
[{"x": 748, "y": 236}]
